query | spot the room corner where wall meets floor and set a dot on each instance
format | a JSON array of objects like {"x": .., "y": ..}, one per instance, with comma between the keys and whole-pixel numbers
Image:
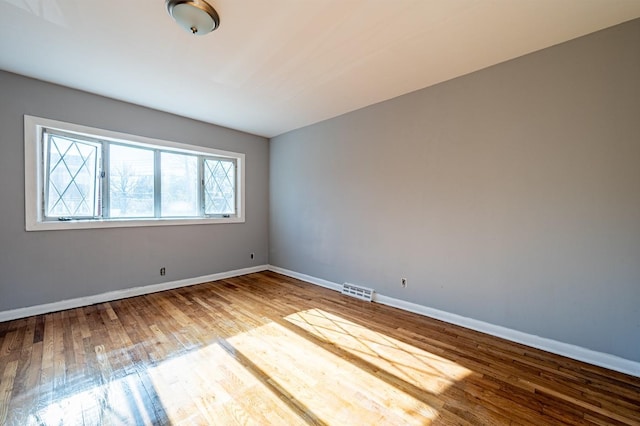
[{"x": 265, "y": 348}]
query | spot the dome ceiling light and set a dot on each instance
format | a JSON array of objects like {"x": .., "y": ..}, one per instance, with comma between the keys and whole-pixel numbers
[{"x": 196, "y": 16}]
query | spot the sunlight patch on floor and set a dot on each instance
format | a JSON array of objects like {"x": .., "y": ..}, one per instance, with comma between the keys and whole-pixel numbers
[
  {"x": 418, "y": 367},
  {"x": 338, "y": 390},
  {"x": 219, "y": 391}
]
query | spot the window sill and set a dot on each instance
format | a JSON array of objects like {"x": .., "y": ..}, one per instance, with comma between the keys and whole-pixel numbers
[{"x": 126, "y": 223}]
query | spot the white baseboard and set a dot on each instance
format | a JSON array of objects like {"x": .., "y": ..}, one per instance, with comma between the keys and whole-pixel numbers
[
  {"x": 308, "y": 278},
  {"x": 121, "y": 294},
  {"x": 579, "y": 353}
]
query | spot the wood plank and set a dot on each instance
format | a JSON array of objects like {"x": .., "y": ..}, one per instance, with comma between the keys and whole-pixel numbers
[{"x": 6, "y": 389}]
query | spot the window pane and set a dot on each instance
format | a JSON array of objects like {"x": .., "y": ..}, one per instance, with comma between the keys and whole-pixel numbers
[
  {"x": 72, "y": 186},
  {"x": 219, "y": 187},
  {"x": 179, "y": 184},
  {"x": 130, "y": 182}
]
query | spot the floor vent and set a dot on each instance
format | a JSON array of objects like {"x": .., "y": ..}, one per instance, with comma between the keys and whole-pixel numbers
[{"x": 358, "y": 292}]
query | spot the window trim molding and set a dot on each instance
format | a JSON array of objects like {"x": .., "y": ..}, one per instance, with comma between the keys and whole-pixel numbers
[{"x": 34, "y": 179}]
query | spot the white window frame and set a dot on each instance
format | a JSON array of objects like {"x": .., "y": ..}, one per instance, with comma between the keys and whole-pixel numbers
[{"x": 34, "y": 177}]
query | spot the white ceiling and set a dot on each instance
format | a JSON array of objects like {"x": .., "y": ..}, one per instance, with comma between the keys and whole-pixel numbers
[{"x": 277, "y": 65}]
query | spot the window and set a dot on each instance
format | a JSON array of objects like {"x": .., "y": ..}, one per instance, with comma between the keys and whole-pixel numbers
[
  {"x": 81, "y": 177},
  {"x": 72, "y": 172}
]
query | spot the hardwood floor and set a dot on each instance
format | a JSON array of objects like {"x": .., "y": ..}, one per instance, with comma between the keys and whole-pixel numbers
[{"x": 267, "y": 349}]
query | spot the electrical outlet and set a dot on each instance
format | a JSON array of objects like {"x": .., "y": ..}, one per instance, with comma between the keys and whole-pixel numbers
[
  {"x": 252, "y": 255},
  {"x": 163, "y": 271},
  {"x": 403, "y": 282}
]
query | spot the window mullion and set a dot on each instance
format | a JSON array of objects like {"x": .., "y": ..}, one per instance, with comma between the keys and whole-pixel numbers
[
  {"x": 97, "y": 184},
  {"x": 46, "y": 159},
  {"x": 157, "y": 184},
  {"x": 105, "y": 180},
  {"x": 201, "y": 185}
]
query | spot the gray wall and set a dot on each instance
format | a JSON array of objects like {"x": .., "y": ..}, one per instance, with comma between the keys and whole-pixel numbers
[
  {"x": 510, "y": 195},
  {"x": 48, "y": 266}
]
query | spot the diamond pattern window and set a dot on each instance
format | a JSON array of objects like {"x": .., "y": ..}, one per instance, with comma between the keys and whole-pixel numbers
[
  {"x": 219, "y": 187},
  {"x": 72, "y": 186}
]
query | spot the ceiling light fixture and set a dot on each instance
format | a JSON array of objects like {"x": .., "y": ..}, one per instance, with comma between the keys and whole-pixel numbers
[{"x": 196, "y": 16}]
